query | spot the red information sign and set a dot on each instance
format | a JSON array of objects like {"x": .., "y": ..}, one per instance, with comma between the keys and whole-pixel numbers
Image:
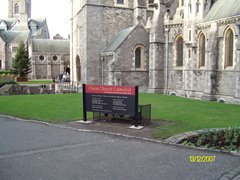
[{"x": 121, "y": 100}]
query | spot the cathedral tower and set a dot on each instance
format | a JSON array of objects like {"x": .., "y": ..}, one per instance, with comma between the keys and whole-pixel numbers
[{"x": 20, "y": 9}]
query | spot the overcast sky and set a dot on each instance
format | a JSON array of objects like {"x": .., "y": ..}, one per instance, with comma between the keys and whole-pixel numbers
[{"x": 57, "y": 13}]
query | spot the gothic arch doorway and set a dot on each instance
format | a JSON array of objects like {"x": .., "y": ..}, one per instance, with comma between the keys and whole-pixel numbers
[
  {"x": 68, "y": 70},
  {"x": 78, "y": 68}
]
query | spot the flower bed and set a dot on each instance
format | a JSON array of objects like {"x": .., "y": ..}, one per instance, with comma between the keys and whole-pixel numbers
[
  {"x": 6, "y": 75},
  {"x": 220, "y": 139},
  {"x": 7, "y": 78}
]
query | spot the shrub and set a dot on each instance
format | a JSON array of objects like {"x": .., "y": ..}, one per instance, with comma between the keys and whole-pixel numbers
[
  {"x": 10, "y": 82},
  {"x": 6, "y": 72},
  {"x": 21, "y": 64}
]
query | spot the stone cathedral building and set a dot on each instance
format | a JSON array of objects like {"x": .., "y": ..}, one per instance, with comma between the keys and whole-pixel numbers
[
  {"x": 187, "y": 48},
  {"x": 49, "y": 57}
]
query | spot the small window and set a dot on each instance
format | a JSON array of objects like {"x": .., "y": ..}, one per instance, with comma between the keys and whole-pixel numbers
[
  {"x": 189, "y": 35},
  {"x": 33, "y": 26},
  {"x": 14, "y": 49},
  {"x": 16, "y": 8},
  {"x": 139, "y": 57},
  {"x": 120, "y": 1},
  {"x": 197, "y": 6},
  {"x": 190, "y": 6},
  {"x": 205, "y": 4},
  {"x": 41, "y": 58},
  {"x": 55, "y": 58},
  {"x": 150, "y": 1},
  {"x": 229, "y": 40},
  {"x": 179, "y": 49},
  {"x": 189, "y": 53},
  {"x": 0, "y": 64}
]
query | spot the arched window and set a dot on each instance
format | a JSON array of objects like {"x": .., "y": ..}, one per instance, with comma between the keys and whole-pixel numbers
[
  {"x": 32, "y": 26},
  {"x": 197, "y": 6},
  {"x": 78, "y": 68},
  {"x": 179, "y": 49},
  {"x": 190, "y": 6},
  {"x": 201, "y": 46},
  {"x": 139, "y": 57},
  {"x": 68, "y": 70},
  {"x": 16, "y": 8},
  {"x": 229, "y": 40},
  {"x": 205, "y": 4}
]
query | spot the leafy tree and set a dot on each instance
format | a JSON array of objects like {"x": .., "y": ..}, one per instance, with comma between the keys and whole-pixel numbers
[{"x": 21, "y": 62}]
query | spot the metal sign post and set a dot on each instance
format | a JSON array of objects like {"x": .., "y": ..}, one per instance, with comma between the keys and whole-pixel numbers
[
  {"x": 84, "y": 104},
  {"x": 136, "y": 107}
]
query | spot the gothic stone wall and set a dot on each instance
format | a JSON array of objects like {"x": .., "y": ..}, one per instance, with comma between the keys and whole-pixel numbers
[
  {"x": 100, "y": 31},
  {"x": 187, "y": 80},
  {"x": 125, "y": 61},
  {"x": 227, "y": 78},
  {"x": 79, "y": 44},
  {"x": 192, "y": 80},
  {"x": 175, "y": 74},
  {"x": 115, "y": 20},
  {"x": 48, "y": 68}
]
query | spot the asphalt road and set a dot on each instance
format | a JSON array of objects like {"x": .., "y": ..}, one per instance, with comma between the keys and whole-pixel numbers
[{"x": 34, "y": 151}]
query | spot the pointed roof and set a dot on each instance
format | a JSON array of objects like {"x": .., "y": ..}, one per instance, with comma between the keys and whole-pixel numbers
[
  {"x": 119, "y": 39},
  {"x": 9, "y": 22},
  {"x": 222, "y": 9},
  {"x": 39, "y": 22},
  {"x": 14, "y": 36},
  {"x": 49, "y": 45}
]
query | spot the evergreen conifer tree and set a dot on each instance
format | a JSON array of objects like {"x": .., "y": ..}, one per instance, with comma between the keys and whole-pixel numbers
[{"x": 21, "y": 62}]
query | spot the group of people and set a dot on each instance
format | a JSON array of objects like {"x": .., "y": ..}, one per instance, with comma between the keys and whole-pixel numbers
[{"x": 64, "y": 77}]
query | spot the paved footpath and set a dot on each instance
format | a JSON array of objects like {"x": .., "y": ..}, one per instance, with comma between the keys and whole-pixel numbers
[{"x": 36, "y": 151}]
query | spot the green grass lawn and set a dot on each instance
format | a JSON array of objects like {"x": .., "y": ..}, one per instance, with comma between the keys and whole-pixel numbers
[{"x": 186, "y": 114}]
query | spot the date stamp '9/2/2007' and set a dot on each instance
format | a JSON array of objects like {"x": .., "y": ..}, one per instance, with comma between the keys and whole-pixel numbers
[{"x": 202, "y": 159}]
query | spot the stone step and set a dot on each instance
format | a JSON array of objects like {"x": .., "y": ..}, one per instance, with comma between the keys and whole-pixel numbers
[{"x": 5, "y": 89}]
